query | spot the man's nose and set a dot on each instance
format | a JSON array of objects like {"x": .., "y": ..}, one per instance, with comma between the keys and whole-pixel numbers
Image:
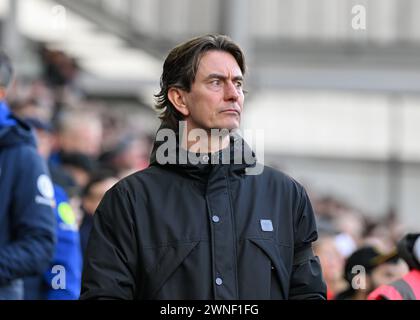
[{"x": 231, "y": 91}]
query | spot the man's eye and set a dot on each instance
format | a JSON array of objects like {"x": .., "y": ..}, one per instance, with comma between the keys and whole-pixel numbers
[
  {"x": 216, "y": 82},
  {"x": 239, "y": 84}
]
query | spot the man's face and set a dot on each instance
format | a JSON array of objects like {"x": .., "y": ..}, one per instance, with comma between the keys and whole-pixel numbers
[
  {"x": 96, "y": 193},
  {"x": 388, "y": 272},
  {"x": 85, "y": 138},
  {"x": 216, "y": 97}
]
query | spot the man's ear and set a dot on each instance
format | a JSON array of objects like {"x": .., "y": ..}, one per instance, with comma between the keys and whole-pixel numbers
[{"x": 177, "y": 98}]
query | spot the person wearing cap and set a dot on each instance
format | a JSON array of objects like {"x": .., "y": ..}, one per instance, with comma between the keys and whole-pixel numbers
[
  {"x": 27, "y": 223},
  {"x": 205, "y": 220},
  {"x": 407, "y": 287},
  {"x": 366, "y": 269}
]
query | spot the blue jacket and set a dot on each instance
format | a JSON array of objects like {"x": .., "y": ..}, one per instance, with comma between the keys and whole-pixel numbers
[
  {"x": 62, "y": 279},
  {"x": 67, "y": 253},
  {"x": 27, "y": 222}
]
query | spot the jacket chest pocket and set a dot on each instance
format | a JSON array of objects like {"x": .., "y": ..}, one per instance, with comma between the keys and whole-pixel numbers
[
  {"x": 264, "y": 269},
  {"x": 166, "y": 261}
]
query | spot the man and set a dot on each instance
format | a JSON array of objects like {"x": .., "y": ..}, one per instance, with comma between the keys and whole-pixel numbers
[
  {"x": 78, "y": 131},
  {"x": 67, "y": 259},
  {"x": 331, "y": 259},
  {"x": 408, "y": 286},
  {"x": 100, "y": 182},
  {"x": 368, "y": 268},
  {"x": 130, "y": 154},
  {"x": 27, "y": 226},
  {"x": 188, "y": 229}
]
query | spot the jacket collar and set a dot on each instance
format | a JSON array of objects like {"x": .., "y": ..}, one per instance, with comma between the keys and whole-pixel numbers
[
  {"x": 16, "y": 132},
  {"x": 237, "y": 156}
]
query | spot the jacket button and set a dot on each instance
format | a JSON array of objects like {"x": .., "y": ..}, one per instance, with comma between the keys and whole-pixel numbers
[
  {"x": 219, "y": 281},
  {"x": 215, "y": 219}
]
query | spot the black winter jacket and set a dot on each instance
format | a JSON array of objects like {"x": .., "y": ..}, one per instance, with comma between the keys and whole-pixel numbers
[{"x": 183, "y": 231}]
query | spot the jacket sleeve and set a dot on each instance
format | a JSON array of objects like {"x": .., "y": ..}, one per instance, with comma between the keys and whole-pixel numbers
[
  {"x": 32, "y": 219},
  {"x": 110, "y": 262},
  {"x": 306, "y": 281}
]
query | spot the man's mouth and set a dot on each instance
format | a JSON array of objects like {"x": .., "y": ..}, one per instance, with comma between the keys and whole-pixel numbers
[{"x": 231, "y": 110}]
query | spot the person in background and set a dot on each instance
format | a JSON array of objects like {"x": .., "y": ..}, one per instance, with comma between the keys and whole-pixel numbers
[
  {"x": 78, "y": 131},
  {"x": 100, "y": 182},
  {"x": 67, "y": 252},
  {"x": 332, "y": 262},
  {"x": 407, "y": 287},
  {"x": 79, "y": 166},
  {"x": 27, "y": 223},
  {"x": 128, "y": 156},
  {"x": 368, "y": 268}
]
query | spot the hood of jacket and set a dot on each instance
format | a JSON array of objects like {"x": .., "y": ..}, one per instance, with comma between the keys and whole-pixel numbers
[
  {"x": 13, "y": 131},
  {"x": 237, "y": 156}
]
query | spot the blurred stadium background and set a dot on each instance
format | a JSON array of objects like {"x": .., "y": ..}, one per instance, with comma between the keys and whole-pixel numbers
[{"x": 340, "y": 107}]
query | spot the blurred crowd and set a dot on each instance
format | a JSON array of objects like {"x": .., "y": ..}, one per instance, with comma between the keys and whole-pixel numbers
[
  {"x": 89, "y": 147},
  {"x": 358, "y": 252}
]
